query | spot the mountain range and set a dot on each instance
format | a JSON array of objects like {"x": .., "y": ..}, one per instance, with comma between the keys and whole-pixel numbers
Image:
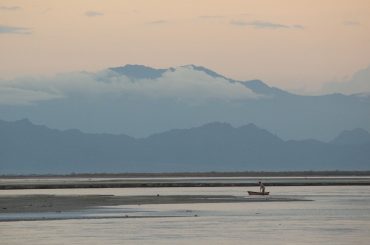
[
  {"x": 26, "y": 148},
  {"x": 139, "y": 100}
]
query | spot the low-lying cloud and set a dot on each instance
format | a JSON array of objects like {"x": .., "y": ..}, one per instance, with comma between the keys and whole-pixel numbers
[
  {"x": 264, "y": 24},
  {"x": 351, "y": 23},
  {"x": 182, "y": 84},
  {"x": 359, "y": 83},
  {"x": 211, "y": 17},
  {"x": 10, "y": 8},
  {"x": 93, "y": 13},
  {"x": 19, "y": 96},
  {"x": 158, "y": 22},
  {"x": 14, "y": 30}
]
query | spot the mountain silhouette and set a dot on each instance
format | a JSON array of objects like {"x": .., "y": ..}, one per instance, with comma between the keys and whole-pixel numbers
[
  {"x": 356, "y": 136},
  {"x": 139, "y": 71},
  {"x": 26, "y": 148}
]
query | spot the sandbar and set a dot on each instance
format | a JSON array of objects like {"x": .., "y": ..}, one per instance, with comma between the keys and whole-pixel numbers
[{"x": 62, "y": 203}]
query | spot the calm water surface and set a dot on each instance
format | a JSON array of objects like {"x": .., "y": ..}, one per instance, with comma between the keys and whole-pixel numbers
[{"x": 337, "y": 215}]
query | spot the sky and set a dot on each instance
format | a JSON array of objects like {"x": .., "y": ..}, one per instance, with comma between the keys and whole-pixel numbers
[{"x": 297, "y": 45}]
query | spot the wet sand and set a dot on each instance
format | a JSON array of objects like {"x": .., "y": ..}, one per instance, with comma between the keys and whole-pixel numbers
[{"x": 62, "y": 203}]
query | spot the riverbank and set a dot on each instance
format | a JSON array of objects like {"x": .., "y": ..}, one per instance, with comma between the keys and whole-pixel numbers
[
  {"x": 69, "y": 182},
  {"x": 198, "y": 174}
]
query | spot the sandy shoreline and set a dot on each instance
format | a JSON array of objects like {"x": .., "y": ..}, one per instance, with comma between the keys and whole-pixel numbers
[{"x": 62, "y": 203}]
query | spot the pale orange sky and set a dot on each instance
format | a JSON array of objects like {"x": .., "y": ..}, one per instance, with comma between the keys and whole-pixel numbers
[{"x": 292, "y": 44}]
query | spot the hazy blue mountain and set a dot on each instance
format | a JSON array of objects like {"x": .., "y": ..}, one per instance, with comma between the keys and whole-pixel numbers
[
  {"x": 356, "y": 136},
  {"x": 208, "y": 72},
  {"x": 260, "y": 87},
  {"x": 96, "y": 109},
  {"x": 145, "y": 72},
  {"x": 29, "y": 148},
  {"x": 139, "y": 71},
  {"x": 25, "y": 147}
]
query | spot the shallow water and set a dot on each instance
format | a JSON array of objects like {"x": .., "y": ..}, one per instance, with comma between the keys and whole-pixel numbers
[{"x": 337, "y": 215}]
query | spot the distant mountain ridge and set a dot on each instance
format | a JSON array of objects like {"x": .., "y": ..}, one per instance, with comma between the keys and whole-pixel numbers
[
  {"x": 26, "y": 148},
  {"x": 139, "y": 71},
  {"x": 145, "y": 72},
  {"x": 356, "y": 136},
  {"x": 141, "y": 100}
]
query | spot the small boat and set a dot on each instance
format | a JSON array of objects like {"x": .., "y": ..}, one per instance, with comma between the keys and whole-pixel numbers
[{"x": 258, "y": 193}]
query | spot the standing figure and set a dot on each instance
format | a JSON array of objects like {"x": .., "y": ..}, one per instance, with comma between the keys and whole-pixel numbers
[{"x": 262, "y": 187}]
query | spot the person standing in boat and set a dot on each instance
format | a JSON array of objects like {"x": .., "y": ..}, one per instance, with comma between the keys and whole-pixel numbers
[{"x": 262, "y": 187}]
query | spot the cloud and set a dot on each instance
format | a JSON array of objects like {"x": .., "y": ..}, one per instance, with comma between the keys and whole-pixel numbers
[
  {"x": 351, "y": 23},
  {"x": 182, "y": 84},
  {"x": 358, "y": 83},
  {"x": 93, "y": 13},
  {"x": 298, "y": 26},
  {"x": 187, "y": 84},
  {"x": 18, "y": 96},
  {"x": 10, "y": 8},
  {"x": 264, "y": 24},
  {"x": 211, "y": 17},
  {"x": 158, "y": 22},
  {"x": 14, "y": 30}
]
